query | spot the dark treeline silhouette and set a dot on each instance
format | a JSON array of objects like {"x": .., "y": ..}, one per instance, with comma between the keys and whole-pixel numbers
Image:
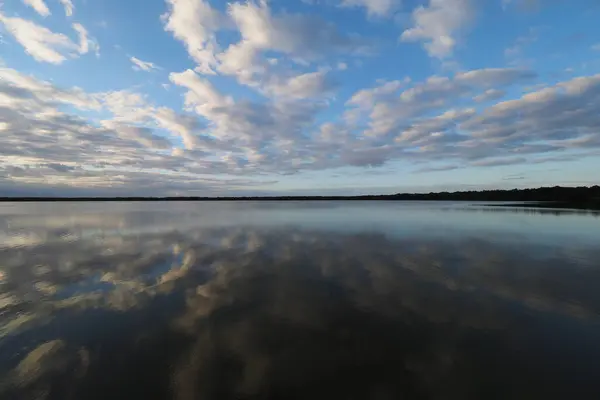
[{"x": 557, "y": 196}]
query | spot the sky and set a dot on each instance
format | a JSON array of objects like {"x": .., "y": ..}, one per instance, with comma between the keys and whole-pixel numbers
[{"x": 212, "y": 98}]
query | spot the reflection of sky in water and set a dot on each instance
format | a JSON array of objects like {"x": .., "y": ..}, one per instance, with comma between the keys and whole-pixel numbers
[
  {"x": 34, "y": 223},
  {"x": 86, "y": 285},
  {"x": 324, "y": 300}
]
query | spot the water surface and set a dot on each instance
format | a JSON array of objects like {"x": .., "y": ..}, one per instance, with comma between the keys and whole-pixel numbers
[{"x": 298, "y": 300}]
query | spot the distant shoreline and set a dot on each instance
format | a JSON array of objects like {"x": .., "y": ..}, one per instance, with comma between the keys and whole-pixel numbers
[{"x": 549, "y": 197}]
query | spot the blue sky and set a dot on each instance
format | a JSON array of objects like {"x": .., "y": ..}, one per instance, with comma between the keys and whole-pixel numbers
[{"x": 196, "y": 97}]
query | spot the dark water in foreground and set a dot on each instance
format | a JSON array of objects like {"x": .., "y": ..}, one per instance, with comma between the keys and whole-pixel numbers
[{"x": 360, "y": 300}]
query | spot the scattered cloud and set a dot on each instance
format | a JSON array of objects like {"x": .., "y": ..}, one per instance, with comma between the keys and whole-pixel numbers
[
  {"x": 494, "y": 162},
  {"x": 140, "y": 65},
  {"x": 139, "y": 142},
  {"x": 40, "y": 42},
  {"x": 302, "y": 37},
  {"x": 495, "y": 77},
  {"x": 85, "y": 42},
  {"x": 39, "y": 6},
  {"x": 68, "y": 6},
  {"x": 513, "y": 177},
  {"x": 488, "y": 95},
  {"x": 438, "y": 25},
  {"x": 194, "y": 22},
  {"x": 368, "y": 97},
  {"x": 390, "y": 110},
  {"x": 265, "y": 95},
  {"x": 437, "y": 169},
  {"x": 375, "y": 8},
  {"x": 302, "y": 86},
  {"x": 142, "y": 135}
]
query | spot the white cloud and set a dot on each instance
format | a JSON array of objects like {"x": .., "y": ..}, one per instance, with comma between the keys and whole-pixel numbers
[
  {"x": 186, "y": 127},
  {"x": 137, "y": 144},
  {"x": 140, "y": 65},
  {"x": 194, "y": 22},
  {"x": 302, "y": 86},
  {"x": 296, "y": 38},
  {"x": 495, "y": 76},
  {"x": 380, "y": 8},
  {"x": 596, "y": 47},
  {"x": 38, "y": 41},
  {"x": 55, "y": 149},
  {"x": 489, "y": 94},
  {"x": 24, "y": 91},
  {"x": 68, "y": 6},
  {"x": 39, "y": 6},
  {"x": 391, "y": 111},
  {"x": 342, "y": 66},
  {"x": 297, "y": 35},
  {"x": 142, "y": 135},
  {"x": 85, "y": 42},
  {"x": 438, "y": 25},
  {"x": 367, "y": 97},
  {"x": 258, "y": 135},
  {"x": 201, "y": 92}
]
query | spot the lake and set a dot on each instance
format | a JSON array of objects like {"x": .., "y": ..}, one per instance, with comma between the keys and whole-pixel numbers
[{"x": 298, "y": 300}]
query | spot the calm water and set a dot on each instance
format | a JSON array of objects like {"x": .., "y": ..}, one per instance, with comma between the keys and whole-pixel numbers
[{"x": 296, "y": 300}]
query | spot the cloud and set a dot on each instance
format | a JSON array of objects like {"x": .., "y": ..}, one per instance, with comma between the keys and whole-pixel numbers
[
  {"x": 39, "y": 42},
  {"x": 303, "y": 36},
  {"x": 201, "y": 95},
  {"x": 494, "y": 77},
  {"x": 488, "y": 95},
  {"x": 391, "y": 109},
  {"x": 493, "y": 162},
  {"x": 297, "y": 38},
  {"x": 183, "y": 125},
  {"x": 242, "y": 119},
  {"x": 259, "y": 136},
  {"x": 125, "y": 152},
  {"x": 562, "y": 114},
  {"x": 313, "y": 84},
  {"x": 375, "y": 8},
  {"x": 367, "y": 97},
  {"x": 596, "y": 47},
  {"x": 85, "y": 42},
  {"x": 437, "y": 169},
  {"x": 120, "y": 140},
  {"x": 553, "y": 119},
  {"x": 438, "y": 25},
  {"x": 139, "y": 65},
  {"x": 195, "y": 22},
  {"x": 143, "y": 135},
  {"x": 39, "y": 6},
  {"x": 68, "y": 6},
  {"x": 514, "y": 177}
]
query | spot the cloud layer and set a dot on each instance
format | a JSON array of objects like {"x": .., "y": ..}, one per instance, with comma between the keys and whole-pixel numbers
[{"x": 263, "y": 96}]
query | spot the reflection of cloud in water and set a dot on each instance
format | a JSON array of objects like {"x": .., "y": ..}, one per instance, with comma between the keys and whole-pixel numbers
[
  {"x": 47, "y": 372},
  {"x": 360, "y": 317},
  {"x": 269, "y": 313}
]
